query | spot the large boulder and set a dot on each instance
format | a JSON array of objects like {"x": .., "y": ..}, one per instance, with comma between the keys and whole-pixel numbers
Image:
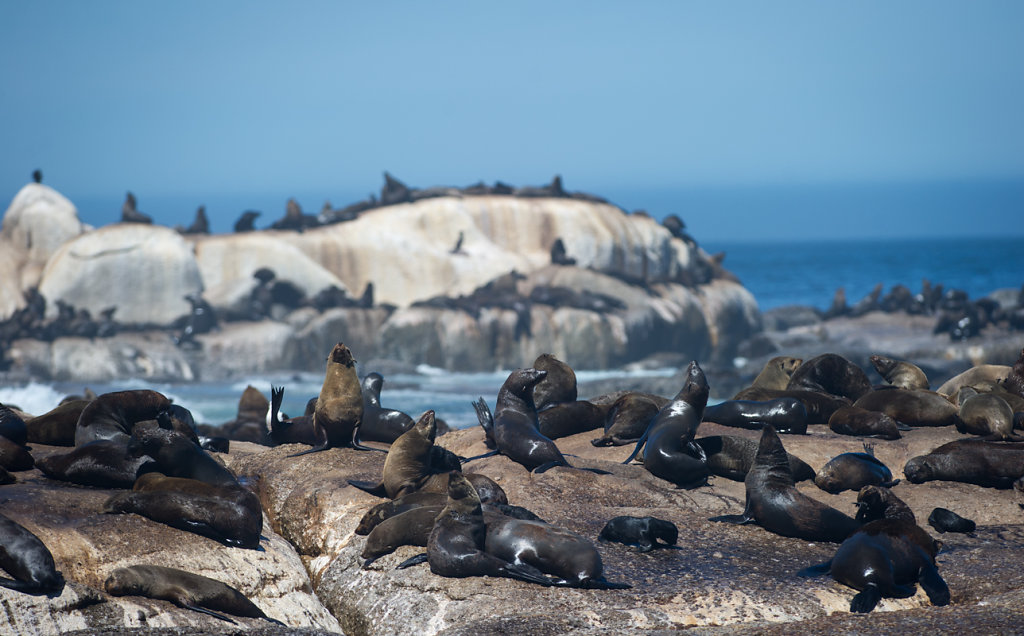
[{"x": 144, "y": 270}]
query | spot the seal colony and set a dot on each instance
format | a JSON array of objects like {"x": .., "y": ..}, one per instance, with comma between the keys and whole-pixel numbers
[{"x": 147, "y": 448}]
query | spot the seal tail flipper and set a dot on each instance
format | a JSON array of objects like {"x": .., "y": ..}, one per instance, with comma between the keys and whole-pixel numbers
[
  {"x": 528, "y": 573},
  {"x": 488, "y": 454},
  {"x": 815, "y": 570},
  {"x": 196, "y": 608},
  {"x": 486, "y": 420},
  {"x": 411, "y": 561},
  {"x": 549, "y": 465},
  {"x": 740, "y": 520},
  {"x": 866, "y": 599},
  {"x": 315, "y": 449},
  {"x": 376, "y": 489},
  {"x": 639, "y": 444},
  {"x": 356, "y": 444},
  {"x": 889, "y": 484},
  {"x": 604, "y": 584}
]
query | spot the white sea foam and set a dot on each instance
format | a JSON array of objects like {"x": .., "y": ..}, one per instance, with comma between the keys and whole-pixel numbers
[{"x": 33, "y": 398}]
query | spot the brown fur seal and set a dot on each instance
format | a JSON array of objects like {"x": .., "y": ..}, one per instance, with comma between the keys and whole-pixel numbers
[
  {"x": 380, "y": 424},
  {"x": 559, "y": 385},
  {"x": 910, "y": 407},
  {"x": 886, "y": 556},
  {"x": 14, "y": 457},
  {"x": 731, "y": 456},
  {"x": 858, "y": 422},
  {"x": 786, "y": 414},
  {"x": 820, "y": 406},
  {"x": 971, "y": 461},
  {"x": 985, "y": 414},
  {"x": 250, "y": 423},
  {"x": 668, "y": 446},
  {"x": 295, "y": 430},
  {"x": 103, "y": 464},
  {"x": 569, "y": 418},
  {"x": 832, "y": 374},
  {"x": 628, "y": 418},
  {"x": 774, "y": 503},
  {"x": 776, "y": 373},
  {"x": 177, "y": 456},
  {"x": 1014, "y": 381},
  {"x": 24, "y": 557},
  {"x": 981, "y": 374},
  {"x": 411, "y": 527},
  {"x": 112, "y": 415},
  {"x": 339, "y": 407},
  {"x": 393, "y": 507},
  {"x": 184, "y": 589},
  {"x": 853, "y": 471},
  {"x": 643, "y": 532},
  {"x": 57, "y": 427},
  {"x": 900, "y": 374},
  {"x": 12, "y": 426}
]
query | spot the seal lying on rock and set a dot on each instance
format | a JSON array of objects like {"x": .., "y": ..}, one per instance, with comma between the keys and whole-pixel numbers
[
  {"x": 112, "y": 415},
  {"x": 911, "y": 407},
  {"x": 569, "y": 418},
  {"x": 832, "y": 374},
  {"x": 948, "y": 521},
  {"x": 774, "y": 503},
  {"x": 24, "y": 557},
  {"x": 786, "y": 414},
  {"x": 858, "y": 422},
  {"x": 886, "y": 556},
  {"x": 57, "y": 426},
  {"x": 853, "y": 471},
  {"x": 103, "y": 463},
  {"x": 820, "y": 406},
  {"x": 731, "y": 456},
  {"x": 972, "y": 461},
  {"x": 184, "y": 589},
  {"x": 643, "y": 532},
  {"x": 628, "y": 418},
  {"x": 986, "y": 414}
]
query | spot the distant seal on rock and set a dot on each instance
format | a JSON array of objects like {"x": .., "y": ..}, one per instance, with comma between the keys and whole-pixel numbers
[
  {"x": 776, "y": 373},
  {"x": 985, "y": 414},
  {"x": 732, "y": 456},
  {"x": 830, "y": 373},
  {"x": 184, "y": 589},
  {"x": 669, "y": 450},
  {"x": 774, "y": 503},
  {"x": 112, "y": 415},
  {"x": 900, "y": 374},
  {"x": 643, "y": 532},
  {"x": 24, "y": 557},
  {"x": 786, "y": 414},
  {"x": 886, "y": 556},
  {"x": 910, "y": 407},
  {"x": 971, "y": 461},
  {"x": 559, "y": 385},
  {"x": 103, "y": 463},
  {"x": 380, "y": 424},
  {"x": 245, "y": 222},
  {"x": 853, "y": 471},
  {"x": 948, "y": 521},
  {"x": 339, "y": 408},
  {"x": 628, "y": 417},
  {"x": 858, "y": 422}
]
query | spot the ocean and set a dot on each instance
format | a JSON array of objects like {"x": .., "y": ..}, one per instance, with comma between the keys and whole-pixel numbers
[{"x": 778, "y": 274}]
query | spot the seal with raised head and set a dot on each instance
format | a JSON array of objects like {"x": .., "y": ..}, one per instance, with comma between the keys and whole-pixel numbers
[
  {"x": 112, "y": 415},
  {"x": 27, "y": 559},
  {"x": 887, "y": 555},
  {"x": 776, "y": 373},
  {"x": 774, "y": 503},
  {"x": 971, "y": 461},
  {"x": 899, "y": 373},
  {"x": 668, "y": 446},
  {"x": 184, "y": 589},
  {"x": 731, "y": 456},
  {"x": 643, "y": 532},
  {"x": 853, "y": 471},
  {"x": 830, "y": 373},
  {"x": 559, "y": 385},
  {"x": 786, "y": 414},
  {"x": 339, "y": 407},
  {"x": 986, "y": 414},
  {"x": 380, "y": 424},
  {"x": 858, "y": 422},
  {"x": 910, "y": 407}
]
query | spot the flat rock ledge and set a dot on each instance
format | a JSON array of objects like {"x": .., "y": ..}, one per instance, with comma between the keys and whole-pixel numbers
[{"x": 722, "y": 579}]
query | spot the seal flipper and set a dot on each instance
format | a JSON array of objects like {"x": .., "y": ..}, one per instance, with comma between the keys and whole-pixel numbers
[
  {"x": 815, "y": 570},
  {"x": 375, "y": 489},
  {"x": 486, "y": 420},
  {"x": 639, "y": 444},
  {"x": 740, "y": 520},
  {"x": 356, "y": 444},
  {"x": 604, "y": 584},
  {"x": 933, "y": 585},
  {"x": 866, "y": 599},
  {"x": 487, "y": 454},
  {"x": 315, "y": 449},
  {"x": 196, "y": 608},
  {"x": 411, "y": 561}
]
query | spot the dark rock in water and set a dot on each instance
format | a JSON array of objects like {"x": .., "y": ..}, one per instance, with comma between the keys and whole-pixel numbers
[{"x": 948, "y": 521}]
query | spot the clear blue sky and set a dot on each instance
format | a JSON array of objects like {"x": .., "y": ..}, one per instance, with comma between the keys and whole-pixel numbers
[{"x": 719, "y": 111}]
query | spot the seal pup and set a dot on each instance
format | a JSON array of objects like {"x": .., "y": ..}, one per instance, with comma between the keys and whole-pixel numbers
[
  {"x": 774, "y": 503},
  {"x": 971, "y": 461},
  {"x": 886, "y": 556},
  {"x": 643, "y": 532},
  {"x": 24, "y": 557},
  {"x": 628, "y": 418},
  {"x": 559, "y": 385},
  {"x": 731, "y": 456},
  {"x": 776, "y": 373},
  {"x": 858, "y": 422},
  {"x": 786, "y": 414},
  {"x": 948, "y": 521},
  {"x": 295, "y": 430},
  {"x": 986, "y": 414},
  {"x": 900, "y": 374},
  {"x": 669, "y": 450},
  {"x": 339, "y": 407},
  {"x": 832, "y": 374},
  {"x": 185, "y": 589},
  {"x": 381, "y": 424},
  {"x": 853, "y": 471}
]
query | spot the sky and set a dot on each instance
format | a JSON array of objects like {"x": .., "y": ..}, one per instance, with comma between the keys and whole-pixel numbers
[{"x": 751, "y": 120}]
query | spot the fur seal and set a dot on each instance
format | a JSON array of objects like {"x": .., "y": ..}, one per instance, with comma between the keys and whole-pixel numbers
[
  {"x": 411, "y": 527},
  {"x": 569, "y": 418},
  {"x": 559, "y": 385},
  {"x": 177, "y": 456},
  {"x": 103, "y": 463},
  {"x": 820, "y": 406},
  {"x": 886, "y": 556},
  {"x": 643, "y": 532},
  {"x": 900, "y": 374},
  {"x": 731, "y": 456},
  {"x": 393, "y": 507},
  {"x": 853, "y": 471},
  {"x": 14, "y": 457},
  {"x": 57, "y": 426},
  {"x": 24, "y": 557},
  {"x": 852, "y": 420},
  {"x": 668, "y": 446},
  {"x": 295, "y": 430},
  {"x": 184, "y": 589},
  {"x": 985, "y": 414},
  {"x": 628, "y": 418},
  {"x": 514, "y": 429},
  {"x": 981, "y": 374},
  {"x": 1014, "y": 380},
  {"x": 12, "y": 426},
  {"x": 774, "y": 503},
  {"x": 948, "y": 521},
  {"x": 380, "y": 424},
  {"x": 339, "y": 407},
  {"x": 112, "y": 415},
  {"x": 832, "y": 374},
  {"x": 6, "y": 477},
  {"x": 971, "y": 461},
  {"x": 776, "y": 373},
  {"x": 786, "y": 414},
  {"x": 910, "y": 407},
  {"x": 250, "y": 423}
]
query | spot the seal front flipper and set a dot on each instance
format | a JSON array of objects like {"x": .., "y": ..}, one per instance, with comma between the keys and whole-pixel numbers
[
  {"x": 933, "y": 584},
  {"x": 639, "y": 445},
  {"x": 815, "y": 570},
  {"x": 356, "y": 444},
  {"x": 375, "y": 489},
  {"x": 411, "y": 561},
  {"x": 866, "y": 599},
  {"x": 486, "y": 420},
  {"x": 740, "y": 520}
]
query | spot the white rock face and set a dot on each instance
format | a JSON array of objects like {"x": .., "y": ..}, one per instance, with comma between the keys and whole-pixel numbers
[{"x": 144, "y": 270}]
